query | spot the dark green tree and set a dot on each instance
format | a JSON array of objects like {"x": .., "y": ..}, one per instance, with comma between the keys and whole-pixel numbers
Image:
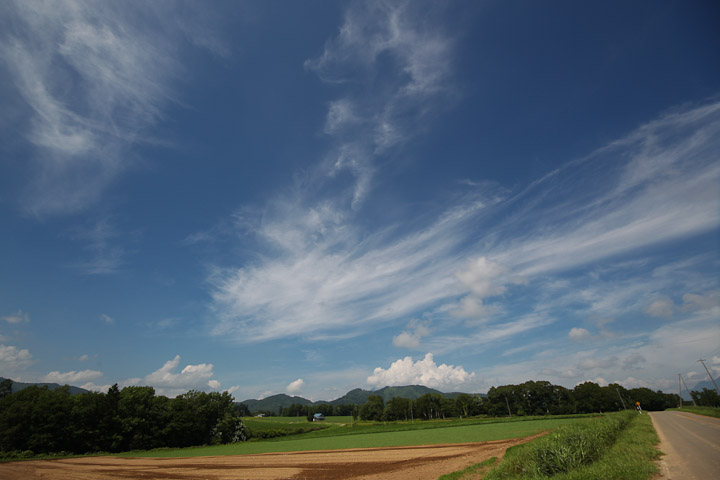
[
  {"x": 398, "y": 408},
  {"x": 242, "y": 410},
  {"x": 5, "y": 387},
  {"x": 373, "y": 409},
  {"x": 464, "y": 404},
  {"x": 588, "y": 397},
  {"x": 429, "y": 406},
  {"x": 142, "y": 418},
  {"x": 706, "y": 398}
]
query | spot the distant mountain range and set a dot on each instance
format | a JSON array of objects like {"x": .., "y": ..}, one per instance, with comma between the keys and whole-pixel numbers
[
  {"x": 17, "y": 386},
  {"x": 357, "y": 396}
]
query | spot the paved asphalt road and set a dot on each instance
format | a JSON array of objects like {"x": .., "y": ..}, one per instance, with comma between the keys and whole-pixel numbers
[{"x": 691, "y": 444}]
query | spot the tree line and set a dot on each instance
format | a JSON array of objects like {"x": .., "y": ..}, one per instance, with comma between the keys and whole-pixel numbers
[
  {"x": 300, "y": 410},
  {"x": 37, "y": 420},
  {"x": 529, "y": 398}
]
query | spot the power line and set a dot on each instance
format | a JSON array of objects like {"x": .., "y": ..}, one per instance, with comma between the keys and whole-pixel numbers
[
  {"x": 680, "y": 389},
  {"x": 709, "y": 375},
  {"x": 688, "y": 390}
]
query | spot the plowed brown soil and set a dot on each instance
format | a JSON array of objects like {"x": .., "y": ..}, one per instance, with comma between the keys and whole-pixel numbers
[{"x": 416, "y": 463}]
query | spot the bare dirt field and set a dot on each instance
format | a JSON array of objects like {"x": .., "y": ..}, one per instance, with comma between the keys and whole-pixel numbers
[{"x": 417, "y": 463}]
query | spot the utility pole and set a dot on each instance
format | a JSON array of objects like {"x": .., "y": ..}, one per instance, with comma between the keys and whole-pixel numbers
[
  {"x": 688, "y": 390},
  {"x": 508, "y": 405},
  {"x": 680, "y": 390},
  {"x": 711, "y": 377},
  {"x": 621, "y": 399}
]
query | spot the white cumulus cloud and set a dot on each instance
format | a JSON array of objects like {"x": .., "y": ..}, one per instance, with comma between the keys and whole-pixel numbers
[
  {"x": 295, "y": 386},
  {"x": 93, "y": 387},
  {"x": 72, "y": 377},
  {"x": 423, "y": 372},
  {"x": 483, "y": 277},
  {"x": 191, "y": 377},
  {"x": 13, "y": 359},
  {"x": 411, "y": 338},
  {"x": 578, "y": 333}
]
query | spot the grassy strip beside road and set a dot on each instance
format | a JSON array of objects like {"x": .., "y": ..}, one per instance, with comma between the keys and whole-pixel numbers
[
  {"x": 471, "y": 472},
  {"x": 619, "y": 446},
  {"x": 457, "y": 433},
  {"x": 707, "y": 411}
]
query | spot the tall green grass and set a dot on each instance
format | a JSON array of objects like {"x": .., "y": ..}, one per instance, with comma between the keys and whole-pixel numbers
[
  {"x": 632, "y": 457},
  {"x": 568, "y": 451}
]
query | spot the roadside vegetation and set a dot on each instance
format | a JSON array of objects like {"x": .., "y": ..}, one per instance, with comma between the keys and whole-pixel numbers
[
  {"x": 705, "y": 398},
  {"x": 471, "y": 472},
  {"x": 618, "y": 446},
  {"x": 707, "y": 411}
]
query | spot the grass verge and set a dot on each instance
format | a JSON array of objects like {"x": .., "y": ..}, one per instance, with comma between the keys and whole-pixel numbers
[
  {"x": 619, "y": 446},
  {"x": 707, "y": 411},
  {"x": 471, "y": 472}
]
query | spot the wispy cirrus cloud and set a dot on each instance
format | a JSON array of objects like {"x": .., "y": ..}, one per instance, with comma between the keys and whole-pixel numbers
[
  {"x": 92, "y": 82},
  {"x": 333, "y": 279},
  {"x": 393, "y": 64},
  {"x": 320, "y": 275},
  {"x": 103, "y": 244},
  {"x": 658, "y": 184},
  {"x": 17, "y": 317}
]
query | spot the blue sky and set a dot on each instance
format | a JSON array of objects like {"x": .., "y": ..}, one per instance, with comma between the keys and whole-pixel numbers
[{"x": 309, "y": 197}]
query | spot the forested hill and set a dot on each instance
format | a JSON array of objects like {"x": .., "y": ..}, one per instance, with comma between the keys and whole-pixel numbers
[
  {"x": 273, "y": 402},
  {"x": 17, "y": 386},
  {"x": 357, "y": 396}
]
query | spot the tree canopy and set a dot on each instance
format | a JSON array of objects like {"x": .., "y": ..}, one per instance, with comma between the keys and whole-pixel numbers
[{"x": 47, "y": 421}]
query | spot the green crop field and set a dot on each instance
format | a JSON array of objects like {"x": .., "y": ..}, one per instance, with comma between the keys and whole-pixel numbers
[
  {"x": 374, "y": 435},
  {"x": 269, "y": 423}
]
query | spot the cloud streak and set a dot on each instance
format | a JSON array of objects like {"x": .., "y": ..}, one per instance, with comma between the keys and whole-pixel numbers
[
  {"x": 333, "y": 280},
  {"x": 323, "y": 276},
  {"x": 17, "y": 317},
  {"x": 94, "y": 82},
  {"x": 406, "y": 62}
]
